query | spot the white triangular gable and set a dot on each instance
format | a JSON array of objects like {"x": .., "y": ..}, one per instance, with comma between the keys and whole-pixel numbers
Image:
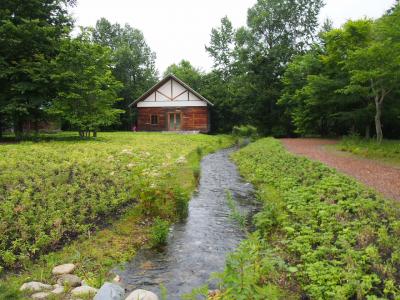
[
  {"x": 151, "y": 98},
  {"x": 171, "y": 94}
]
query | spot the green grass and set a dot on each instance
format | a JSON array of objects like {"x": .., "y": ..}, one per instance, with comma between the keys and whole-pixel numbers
[
  {"x": 387, "y": 151},
  {"x": 59, "y": 196},
  {"x": 320, "y": 234}
]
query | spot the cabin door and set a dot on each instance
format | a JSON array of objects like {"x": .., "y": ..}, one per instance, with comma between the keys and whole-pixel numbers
[{"x": 174, "y": 121}]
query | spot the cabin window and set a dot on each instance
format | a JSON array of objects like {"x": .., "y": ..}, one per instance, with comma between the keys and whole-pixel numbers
[{"x": 154, "y": 120}]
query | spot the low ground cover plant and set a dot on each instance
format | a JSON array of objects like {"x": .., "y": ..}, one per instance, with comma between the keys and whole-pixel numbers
[
  {"x": 54, "y": 191},
  {"x": 159, "y": 232},
  {"x": 320, "y": 234},
  {"x": 388, "y": 150}
]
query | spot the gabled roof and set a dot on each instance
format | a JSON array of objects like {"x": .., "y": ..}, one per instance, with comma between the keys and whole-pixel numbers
[{"x": 162, "y": 82}]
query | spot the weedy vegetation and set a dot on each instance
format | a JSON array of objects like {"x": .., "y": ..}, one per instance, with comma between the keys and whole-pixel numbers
[
  {"x": 235, "y": 215},
  {"x": 58, "y": 198},
  {"x": 159, "y": 232},
  {"x": 388, "y": 150},
  {"x": 320, "y": 234},
  {"x": 243, "y": 134}
]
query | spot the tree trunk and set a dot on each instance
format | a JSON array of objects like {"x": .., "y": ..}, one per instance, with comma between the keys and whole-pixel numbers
[
  {"x": 36, "y": 128},
  {"x": 80, "y": 133},
  {"x": 18, "y": 128},
  {"x": 367, "y": 132},
  {"x": 94, "y": 133},
  {"x": 378, "y": 114}
]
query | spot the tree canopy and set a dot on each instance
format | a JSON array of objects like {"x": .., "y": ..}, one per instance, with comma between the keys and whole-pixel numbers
[
  {"x": 342, "y": 87},
  {"x": 30, "y": 35},
  {"x": 43, "y": 70},
  {"x": 87, "y": 89},
  {"x": 133, "y": 63},
  {"x": 186, "y": 72}
]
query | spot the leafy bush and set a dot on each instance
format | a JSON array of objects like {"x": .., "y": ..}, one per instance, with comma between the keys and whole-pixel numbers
[
  {"x": 320, "y": 235},
  {"x": 159, "y": 232},
  {"x": 181, "y": 203},
  {"x": 54, "y": 191},
  {"x": 235, "y": 214},
  {"x": 199, "y": 151},
  {"x": 245, "y": 131}
]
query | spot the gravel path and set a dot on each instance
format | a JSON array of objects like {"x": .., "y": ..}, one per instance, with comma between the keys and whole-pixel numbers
[{"x": 379, "y": 176}]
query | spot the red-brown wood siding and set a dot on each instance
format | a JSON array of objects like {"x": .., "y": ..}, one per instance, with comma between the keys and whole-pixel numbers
[{"x": 193, "y": 118}]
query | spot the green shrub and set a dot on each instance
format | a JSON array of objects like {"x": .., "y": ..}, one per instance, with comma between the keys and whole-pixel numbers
[
  {"x": 245, "y": 131},
  {"x": 199, "y": 151},
  {"x": 181, "y": 203},
  {"x": 9, "y": 293},
  {"x": 159, "y": 232},
  {"x": 235, "y": 214},
  {"x": 320, "y": 235}
]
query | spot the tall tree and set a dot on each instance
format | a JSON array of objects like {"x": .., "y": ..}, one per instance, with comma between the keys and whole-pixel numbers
[
  {"x": 134, "y": 62},
  {"x": 374, "y": 69},
  {"x": 87, "y": 89},
  {"x": 221, "y": 47},
  {"x": 185, "y": 71},
  {"x": 30, "y": 35},
  {"x": 357, "y": 71},
  {"x": 276, "y": 31}
]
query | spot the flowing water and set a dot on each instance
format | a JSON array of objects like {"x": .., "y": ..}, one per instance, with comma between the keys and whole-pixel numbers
[{"x": 197, "y": 247}]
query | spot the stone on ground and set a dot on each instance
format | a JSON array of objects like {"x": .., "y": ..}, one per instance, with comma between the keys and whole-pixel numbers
[
  {"x": 63, "y": 269},
  {"x": 141, "y": 295},
  {"x": 110, "y": 291},
  {"x": 69, "y": 280},
  {"x": 83, "y": 291},
  {"x": 40, "y": 295},
  {"x": 58, "y": 289},
  {"x": 35, "y": 286}
]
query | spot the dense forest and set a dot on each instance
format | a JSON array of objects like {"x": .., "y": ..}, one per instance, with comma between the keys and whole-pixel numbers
[{"x": 283, "y": 72}]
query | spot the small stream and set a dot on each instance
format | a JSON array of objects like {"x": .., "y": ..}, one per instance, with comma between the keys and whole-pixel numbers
[{"x": 197, "y": 247}]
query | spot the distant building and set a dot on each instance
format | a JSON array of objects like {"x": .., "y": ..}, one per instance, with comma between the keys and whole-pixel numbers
[
  {"x": 49, "y": 126},
  {"x": 172, "y": 105}
]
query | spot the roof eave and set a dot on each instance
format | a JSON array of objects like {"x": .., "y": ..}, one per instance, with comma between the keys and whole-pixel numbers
[{"x": 161, "y": 82}]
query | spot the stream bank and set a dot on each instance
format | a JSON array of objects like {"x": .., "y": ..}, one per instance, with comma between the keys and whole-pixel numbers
[{"x": 198, "y": 246}]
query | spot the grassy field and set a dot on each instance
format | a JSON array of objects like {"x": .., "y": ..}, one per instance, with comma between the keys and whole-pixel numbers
[
  {"x": 320, "y": 234},
  {"x": 58, "y": 197},
  {"x": 388, "y": 151}
]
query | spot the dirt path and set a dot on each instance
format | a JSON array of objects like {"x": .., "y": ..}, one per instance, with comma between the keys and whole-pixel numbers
[{"x": 381, "y": 177}]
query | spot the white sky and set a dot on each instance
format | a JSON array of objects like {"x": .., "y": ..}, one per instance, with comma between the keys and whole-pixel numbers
[{"x": 179, "y": 29}]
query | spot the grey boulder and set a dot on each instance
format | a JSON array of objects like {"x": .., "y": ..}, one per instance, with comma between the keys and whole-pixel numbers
[
  {"x": 58, "y": 289},
  {"x": 41, "y": 295},
  {"x": 69, "y": 280},
  {"x": 63, "y": 269},
  {"x": 141, "y": 295},
  {"x": 35, "y": 286},
  {"x": 110, "y": 291},
  {"x": 83, "y": 291}
]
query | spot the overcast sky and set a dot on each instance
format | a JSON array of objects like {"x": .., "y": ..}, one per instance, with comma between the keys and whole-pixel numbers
[{"x": 179, "y": 29}]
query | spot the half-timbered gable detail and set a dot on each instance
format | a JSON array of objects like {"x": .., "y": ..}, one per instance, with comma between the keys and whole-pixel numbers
[{"x": 172, "y": 105}]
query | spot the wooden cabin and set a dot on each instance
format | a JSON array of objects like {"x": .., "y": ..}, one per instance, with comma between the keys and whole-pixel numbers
[{"x": 172, "y": 105}]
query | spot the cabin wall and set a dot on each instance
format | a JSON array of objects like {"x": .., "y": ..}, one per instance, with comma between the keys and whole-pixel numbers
[{"x": 192, "y": 118}]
